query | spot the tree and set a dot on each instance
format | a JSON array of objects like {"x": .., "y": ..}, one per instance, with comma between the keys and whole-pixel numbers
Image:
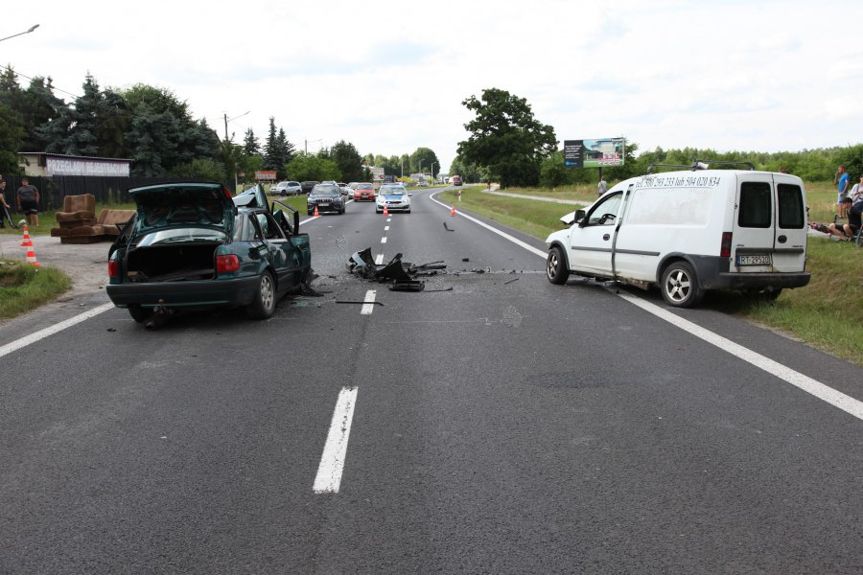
[
  {"x": 312, "y": 167},
  {"x": 506, "y": 138},
  {"x": 201, "y": 169},
  {"x": 11, "y": 136},
  {"x": 271, "y": 151},
  {"x": 284, "y": 152},
  {"x": 250, "y": 143},
  {"x": 424, "y": 159},
  {"x": 349, "y": 161}
]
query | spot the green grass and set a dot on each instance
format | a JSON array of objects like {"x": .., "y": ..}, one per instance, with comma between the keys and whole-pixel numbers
[
  {"x": 582, "y": 192},
  {"x": 826, "y": 313},
  {"x": 23, "y": 287}
]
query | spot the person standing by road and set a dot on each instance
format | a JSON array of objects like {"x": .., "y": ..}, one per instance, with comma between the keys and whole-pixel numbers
[
  {"x": 4, "y": 207},
  {"x": 602, "y": 187},
  {"x": 841, "y": 181},
  {"x": 28, "y": 202}
]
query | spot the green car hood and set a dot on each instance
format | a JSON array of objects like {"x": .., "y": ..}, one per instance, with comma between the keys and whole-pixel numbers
[{"x": 183, "y": 205}]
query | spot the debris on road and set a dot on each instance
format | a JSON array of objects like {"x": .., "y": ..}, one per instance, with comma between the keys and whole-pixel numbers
[
  {"x": 447, "y": 228},
  {"x": 359, "y": 302},
  {"x": 510, "y": 281},
  {"x": 465, "y": 259},
  {"x": 408, "y": 285},
  {"x": 362, "y": 264}
]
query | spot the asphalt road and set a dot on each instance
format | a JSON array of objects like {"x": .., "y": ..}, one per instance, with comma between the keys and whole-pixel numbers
[{"x": 505, "y": 426}]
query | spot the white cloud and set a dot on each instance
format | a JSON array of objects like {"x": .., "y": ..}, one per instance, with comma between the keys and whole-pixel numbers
[{"x": 390, "y": 76}]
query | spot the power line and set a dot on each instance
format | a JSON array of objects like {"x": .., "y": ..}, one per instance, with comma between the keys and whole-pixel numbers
[{"x": 55, "y": 88}]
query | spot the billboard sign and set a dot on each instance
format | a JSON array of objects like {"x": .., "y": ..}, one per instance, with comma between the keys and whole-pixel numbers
[
  {"x": 600, "y": 153},
  {"x": 265, "y": 175}
]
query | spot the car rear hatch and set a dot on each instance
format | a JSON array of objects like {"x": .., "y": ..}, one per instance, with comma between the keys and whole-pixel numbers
[
  {"x": 177, "y": 231},
  {"x": 769, "y": 224}
]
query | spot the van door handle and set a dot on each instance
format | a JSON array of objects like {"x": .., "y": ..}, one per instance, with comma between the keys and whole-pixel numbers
[
  {"x": 782, "y": 239},
  {"x": 606, "y": 236}
]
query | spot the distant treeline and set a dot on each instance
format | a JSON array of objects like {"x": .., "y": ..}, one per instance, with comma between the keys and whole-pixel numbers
[{"x": 811, "y": 165}]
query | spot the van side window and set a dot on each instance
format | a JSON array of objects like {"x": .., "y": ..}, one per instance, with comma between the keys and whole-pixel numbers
[
  {"x": 790, "y": 206},
  {"x": 605, "y": 213},
  {"x": 754, "y": 205}
]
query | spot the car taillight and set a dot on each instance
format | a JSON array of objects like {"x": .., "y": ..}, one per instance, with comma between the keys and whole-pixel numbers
[
  {"x": 725, "y": 248},
  {"x": 227, "y": 263},
  {"x": 113, "y": 269}
]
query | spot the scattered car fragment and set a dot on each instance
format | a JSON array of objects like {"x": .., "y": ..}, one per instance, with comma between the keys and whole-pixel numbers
[{"x": 362, "y": 264}]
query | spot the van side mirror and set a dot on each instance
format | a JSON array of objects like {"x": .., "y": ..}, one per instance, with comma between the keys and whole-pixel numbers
[
  {"x": 572, "y": 217},
  {"x": 579, "y": 215}
]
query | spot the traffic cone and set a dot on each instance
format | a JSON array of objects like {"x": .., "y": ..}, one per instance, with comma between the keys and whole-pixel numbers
[
  {"x": 452, "y": 210},
  {"x": 27, "y": 242},
  {"x": 386, "y": 211},
  {"x": 317, "y": 214},
  {"x": 31, "y": 257}
]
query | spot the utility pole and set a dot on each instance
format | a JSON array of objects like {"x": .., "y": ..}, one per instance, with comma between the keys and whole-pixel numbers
[{"x": 21, "y": 33}]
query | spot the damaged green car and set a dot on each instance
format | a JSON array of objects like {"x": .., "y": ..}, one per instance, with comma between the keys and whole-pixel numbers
[{"x": 193, "y": 245}]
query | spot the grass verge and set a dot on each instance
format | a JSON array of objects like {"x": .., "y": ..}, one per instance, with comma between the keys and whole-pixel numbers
[
  {"x": 23, "y": 287},
  {"x": 826, "y": 313}
]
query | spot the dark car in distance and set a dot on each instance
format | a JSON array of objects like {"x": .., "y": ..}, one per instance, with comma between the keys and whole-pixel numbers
[
  {"x": 306, "y": 187},
  {"x": 192, "y": 246},
  {"x": 326, "y": 198}
]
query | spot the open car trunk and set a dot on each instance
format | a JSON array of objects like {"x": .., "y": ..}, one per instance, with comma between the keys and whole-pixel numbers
[{"x": 162, "y": 263}]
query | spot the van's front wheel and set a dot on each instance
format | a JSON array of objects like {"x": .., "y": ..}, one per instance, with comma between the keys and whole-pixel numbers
[
  {"x": 680, "y": 285},
  {"x": 555, "y": 267}
]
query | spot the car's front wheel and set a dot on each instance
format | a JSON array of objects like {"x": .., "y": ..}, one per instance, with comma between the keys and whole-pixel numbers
[
  {"x": 264, "y": 303},
  {"x": 555, "y": 267}
]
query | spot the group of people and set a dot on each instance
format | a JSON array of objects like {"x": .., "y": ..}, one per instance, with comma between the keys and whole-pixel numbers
[
  {"x": 849, "y": 206},
  {"x": 27, "y": 200}
]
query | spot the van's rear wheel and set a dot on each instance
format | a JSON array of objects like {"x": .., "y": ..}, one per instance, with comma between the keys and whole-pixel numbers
[
  {"x": 555, "y": 267},
  {"x": 680, "y": 285}
]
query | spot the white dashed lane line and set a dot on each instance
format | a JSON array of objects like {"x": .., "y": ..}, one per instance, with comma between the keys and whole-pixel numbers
[
  {"x": 369, "y": 305},
  {"x": 332, "y": 465},
  {"x": 386, "y": 228},
  {"x": 384, "y": 240},
  {"x": 379, "y": 259}
]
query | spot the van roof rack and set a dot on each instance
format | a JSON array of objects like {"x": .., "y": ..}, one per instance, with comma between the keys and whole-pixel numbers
[
  {"x": 704, "y": 164},
  {"x": 652, "y": 167},
  {"x": 700, "y": 165}
]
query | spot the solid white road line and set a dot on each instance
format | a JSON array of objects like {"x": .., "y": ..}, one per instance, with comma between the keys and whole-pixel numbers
[
  {"x": 504, "y": 235},
  {"x": 835, "y": 398},
  {"x": 384, "y": 240},
  {"x": 823, "y": 392},
  {"x": 332, "y": 465},
  {"x": 58, "y": 327},
  {"x": 379, "y": 259},
  {"x": 369, "y": 305}
]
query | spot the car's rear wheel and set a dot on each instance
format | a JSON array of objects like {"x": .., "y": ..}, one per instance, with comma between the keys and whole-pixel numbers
[
  {"x": 680, "y": 285},
  {"x": 140, "y": 314},
  {"x": 555, "y": 267},
  {"x": 264, "y": 303}
]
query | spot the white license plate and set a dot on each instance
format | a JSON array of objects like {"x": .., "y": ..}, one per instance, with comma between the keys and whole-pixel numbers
[
  {"x": 324, "y": 204},
  {"x": 754, "y": 260}
]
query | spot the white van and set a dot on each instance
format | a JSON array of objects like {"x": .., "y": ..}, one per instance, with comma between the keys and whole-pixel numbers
[{"x": 688, "y": 232}]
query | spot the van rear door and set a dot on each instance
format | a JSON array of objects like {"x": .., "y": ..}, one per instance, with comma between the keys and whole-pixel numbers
[
  {"x": 790, "y": 249},
  {"x": 769, "y": 224}
]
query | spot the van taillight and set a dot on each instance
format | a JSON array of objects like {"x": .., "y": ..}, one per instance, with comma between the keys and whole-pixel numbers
[
  {"x": 725, "y": 249},
  {"x": 113, "y": 269},
  {"x": 227, "y": 263}
]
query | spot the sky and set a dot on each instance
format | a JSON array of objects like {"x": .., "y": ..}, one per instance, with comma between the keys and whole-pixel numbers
[{"x": 391, "y": 76}]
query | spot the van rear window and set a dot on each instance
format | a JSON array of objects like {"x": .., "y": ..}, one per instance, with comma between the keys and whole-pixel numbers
[
  {"x": 754, "y": 205},
  {"x": 790, "y": 206}
]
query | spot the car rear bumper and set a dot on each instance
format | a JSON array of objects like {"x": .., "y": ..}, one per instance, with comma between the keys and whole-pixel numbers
[{"x": 220, "y": 292}]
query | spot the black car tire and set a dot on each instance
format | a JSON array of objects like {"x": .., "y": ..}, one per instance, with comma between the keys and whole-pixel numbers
[
  {"x": 679, "y": 285},
  {"x": 264, "y": 303},
  {"x": 555, "y": 267},
  {"x": 139, "y": 314}
]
